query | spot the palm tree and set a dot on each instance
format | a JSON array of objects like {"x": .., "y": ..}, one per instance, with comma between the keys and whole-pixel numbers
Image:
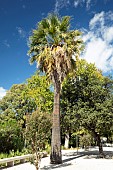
[{"x": 54, "y": 47}]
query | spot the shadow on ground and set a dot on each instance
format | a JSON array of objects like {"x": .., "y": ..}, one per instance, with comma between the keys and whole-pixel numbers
[
  {"x": 91, "y": 154},
  {"x": 95, "y": 154},
  {"x": 55, "y": 166},
  {"x": 66, "y": 161},
  {"x": 74, "y": 155}
]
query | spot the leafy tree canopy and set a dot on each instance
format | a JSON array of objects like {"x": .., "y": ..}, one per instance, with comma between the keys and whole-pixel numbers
[
  {"x": 11, "y": 136},
  {"x": 87, "y": 99},
  {"x": 38, "y": 90}
]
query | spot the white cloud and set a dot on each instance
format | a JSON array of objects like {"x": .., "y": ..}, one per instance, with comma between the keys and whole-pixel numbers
[
  {"x": 76, "y": 3},
  {"x": 99, "y": 41},
  {"x": 108, "y": 34},
  {"x": 87, "y": 3},
  {"x": 59, "y": 4},
  {"x": 98, "y": 19},
  {"x": 2, "y": 92},
  {"x": 21, "y": 32}
]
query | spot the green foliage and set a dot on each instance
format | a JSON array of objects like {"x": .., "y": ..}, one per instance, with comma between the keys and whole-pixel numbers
[
  {"x": 38, "y": 133},
  {"x": 12, "y": 153},
  {"x": 14, "y": 105},
  {"x": 85, "y": 141},
  {"x": 52, "y": 45},
  {"x": 11, "y": 137},
  {"x": 38, "y": 129},
  {"x": 14, "y": 108},
  {"x": 38, "y": 90},
  {"x": 94, "y": 107},
  {"x": 87, "y": 100},
  {"x": 20, "y": 101},
  {"x": 48, "y": 148}
]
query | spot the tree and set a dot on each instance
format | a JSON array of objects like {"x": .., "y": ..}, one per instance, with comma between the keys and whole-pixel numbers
[
  {"x": 89, "y": 99},
  {"x": 38, "y": 133},
  {"x": 53, "y": 46},
  {"x": 38, "y": 90},
  {"x": 23, "y": 99},
  {"x": 11, "y": 136},
  {"x": 15, "y": 106}
]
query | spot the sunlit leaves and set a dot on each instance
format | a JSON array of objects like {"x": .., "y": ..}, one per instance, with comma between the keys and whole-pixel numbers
[
  {"x": 38, "y": 90},
  {"x": 38, "y": 130}
]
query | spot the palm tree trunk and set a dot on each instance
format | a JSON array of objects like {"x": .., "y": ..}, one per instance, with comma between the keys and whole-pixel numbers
[{"x": 56, "y": 157}]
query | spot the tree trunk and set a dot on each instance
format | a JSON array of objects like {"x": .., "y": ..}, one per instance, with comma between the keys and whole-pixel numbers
[
  {"x": 67, "y": 140},
  {"x": 56, "y": 157},
  {"x": 99, "y": 143}
]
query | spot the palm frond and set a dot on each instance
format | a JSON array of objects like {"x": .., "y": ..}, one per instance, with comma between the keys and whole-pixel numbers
[
  {"x": 54, "y": 20},
  {"x": 44, "y": 24},
  {"x": 65, "y": 24},
  {"x": 33, "y": 59},
  {"x": 52, "y": 46}
]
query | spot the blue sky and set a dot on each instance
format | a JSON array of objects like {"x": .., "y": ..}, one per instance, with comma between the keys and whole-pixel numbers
[{"x": 18, "y": 17}]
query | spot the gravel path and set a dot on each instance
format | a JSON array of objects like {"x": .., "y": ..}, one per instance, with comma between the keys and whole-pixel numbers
[{"x": 84, "y": 160}]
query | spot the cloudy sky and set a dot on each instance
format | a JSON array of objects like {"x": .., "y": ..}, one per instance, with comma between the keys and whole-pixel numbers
[{"x": 18, "y": 17}]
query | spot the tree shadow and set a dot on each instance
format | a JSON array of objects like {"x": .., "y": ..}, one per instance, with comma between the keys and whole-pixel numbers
[
  {"x": 96, "y": 155},
  {"x": 74, "y": 155},
  {"x": 88, "y": 154},
  {"x": 55, "y": 166},
  {"x": 71, "y": 155}
]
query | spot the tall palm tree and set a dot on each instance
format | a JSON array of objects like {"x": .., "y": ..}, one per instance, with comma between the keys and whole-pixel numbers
[{"x": 53, "y": 46}]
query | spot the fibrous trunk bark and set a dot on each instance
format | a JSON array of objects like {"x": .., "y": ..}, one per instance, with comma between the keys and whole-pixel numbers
[{"x": 56, "y": 157}]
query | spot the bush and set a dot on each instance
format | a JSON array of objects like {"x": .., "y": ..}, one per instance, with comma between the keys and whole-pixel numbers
[
  {"x": 11, "y": 137},
  {"x": 85, "y": 141},
  {"x": 38, "y": 133},
  {"x": 12, "y": 153}
]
